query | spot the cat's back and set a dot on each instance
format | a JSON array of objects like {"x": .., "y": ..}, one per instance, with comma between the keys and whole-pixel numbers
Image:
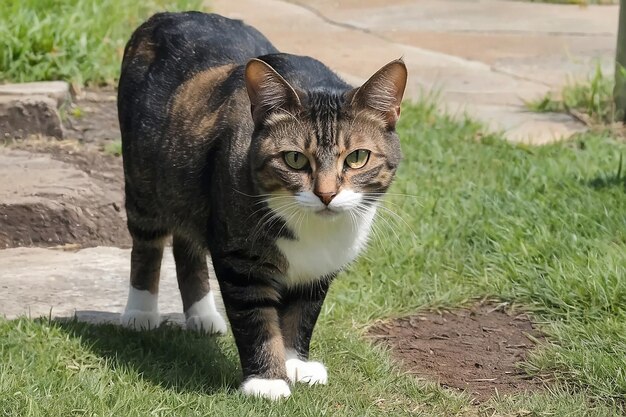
[
  {"x": 191, "y": 41},
  {"x": 169, "y": 49}
]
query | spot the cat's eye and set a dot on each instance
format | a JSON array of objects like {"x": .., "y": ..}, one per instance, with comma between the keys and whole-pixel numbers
[
  {"x": 296, "y": 160},
  {"x": 358, "y": 158}
]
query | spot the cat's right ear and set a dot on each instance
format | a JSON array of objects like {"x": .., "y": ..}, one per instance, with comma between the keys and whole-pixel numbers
[
  {"x": 268, "y": 91},
  {"x": 382, "y": 93}
]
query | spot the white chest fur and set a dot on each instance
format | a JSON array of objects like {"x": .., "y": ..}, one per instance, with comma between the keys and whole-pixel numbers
[{"x": 324, "y": 246}]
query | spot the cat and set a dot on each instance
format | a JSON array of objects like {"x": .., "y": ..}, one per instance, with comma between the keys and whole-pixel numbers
[{"x": 267, "y": 161}]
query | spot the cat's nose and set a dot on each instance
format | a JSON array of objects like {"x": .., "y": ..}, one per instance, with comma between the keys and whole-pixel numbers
[{"x": 326, "y": 197}]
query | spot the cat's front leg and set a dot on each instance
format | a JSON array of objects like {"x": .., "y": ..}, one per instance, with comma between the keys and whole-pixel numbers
[
  {"x": 251, "y": 306},
  {"x": 298, "y": 315}
]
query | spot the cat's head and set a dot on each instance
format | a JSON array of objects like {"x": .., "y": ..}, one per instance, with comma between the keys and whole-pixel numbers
[{"x": 324, "y": 153}]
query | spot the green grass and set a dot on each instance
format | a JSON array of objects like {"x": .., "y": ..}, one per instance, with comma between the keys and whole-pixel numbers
[
  {"x": 542, "y": 229},
  {"x": 591, "y": 101},
  {"x": 113, "y": 148},
  {"x": 75, "y": 40}
]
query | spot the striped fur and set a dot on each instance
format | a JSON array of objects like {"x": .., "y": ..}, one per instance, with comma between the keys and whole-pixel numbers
[{"x": 208, "y": 111}]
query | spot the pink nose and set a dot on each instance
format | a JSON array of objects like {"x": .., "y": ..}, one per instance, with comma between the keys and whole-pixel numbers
[{"x": 326, "y": 197}]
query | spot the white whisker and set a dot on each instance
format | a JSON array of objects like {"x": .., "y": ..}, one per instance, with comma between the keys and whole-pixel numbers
[{"x": 398, "y": 217}]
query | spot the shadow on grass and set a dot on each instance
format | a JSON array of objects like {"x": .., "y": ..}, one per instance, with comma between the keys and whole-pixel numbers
[
  {"x": 176, "y": 359},
  {"x": 603, "y": 182},
  {"x": 610, "y": 181}
]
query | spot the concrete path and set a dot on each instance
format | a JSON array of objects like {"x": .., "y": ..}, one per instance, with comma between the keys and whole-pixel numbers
[
  {"x": 485, "y": 57},
  {"x": 91, "y": 284}
]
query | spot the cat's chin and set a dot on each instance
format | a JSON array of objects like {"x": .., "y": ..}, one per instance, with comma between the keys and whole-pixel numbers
[{"x": 328, "y": 213}]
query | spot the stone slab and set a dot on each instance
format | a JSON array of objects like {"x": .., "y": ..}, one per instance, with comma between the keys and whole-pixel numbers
[
  {"x": 23, "y": 116},
  {"x": 44, "y": 201},
  {"x": 91, "y": 284},
  {"x": 41, "y": 178},
  {"x": 481, "y": 16},
  {"x": 522, "y": 125},
  {"x": 56, "y": 90}
]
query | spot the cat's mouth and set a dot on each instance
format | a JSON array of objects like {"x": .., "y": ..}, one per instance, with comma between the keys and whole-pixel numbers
[{"x": 327, "y": 212}]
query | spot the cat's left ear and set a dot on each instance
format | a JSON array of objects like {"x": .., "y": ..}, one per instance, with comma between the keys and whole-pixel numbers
[
  {"x": 268, "y": 90},
  {"x": 382, "y": 93}
]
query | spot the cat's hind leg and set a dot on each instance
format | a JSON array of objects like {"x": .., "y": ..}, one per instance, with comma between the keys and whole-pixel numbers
[
  {"x": 193, "y": 282},
  {"x": 142, "y": 312}
]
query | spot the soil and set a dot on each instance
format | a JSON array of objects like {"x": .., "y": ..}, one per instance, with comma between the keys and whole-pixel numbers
[
  {"x": 477, "y": 350},
  {"x": 66, "y": 192}
]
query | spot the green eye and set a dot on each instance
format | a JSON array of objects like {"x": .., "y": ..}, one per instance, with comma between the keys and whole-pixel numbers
[
  {"x": 296, "y": 160},
  {"x": 358, "y": 158}
]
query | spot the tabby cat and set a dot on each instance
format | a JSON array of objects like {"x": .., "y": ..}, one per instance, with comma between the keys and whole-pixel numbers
[{"x": 268, "y": 161}]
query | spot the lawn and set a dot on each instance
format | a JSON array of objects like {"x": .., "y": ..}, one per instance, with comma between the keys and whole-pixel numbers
[
  {"x": 74, "y": 40},
  {"x": 591, "y": 101},
  {"x": 540, "y": 228}
]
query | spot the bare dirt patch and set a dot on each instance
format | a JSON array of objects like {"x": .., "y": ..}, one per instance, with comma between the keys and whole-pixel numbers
[{"x": 475, "y": 350}]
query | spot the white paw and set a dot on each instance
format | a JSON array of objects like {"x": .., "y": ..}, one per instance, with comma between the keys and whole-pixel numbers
[
  {"x": 309, "y": 372},
  {"x": 142, "y": 311},
  {"x": 202, "y": 316},
  {"x": 273, "y": 389},
  {"x": 140, "y": 320},
  {"x": 213, "y": 323}
]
